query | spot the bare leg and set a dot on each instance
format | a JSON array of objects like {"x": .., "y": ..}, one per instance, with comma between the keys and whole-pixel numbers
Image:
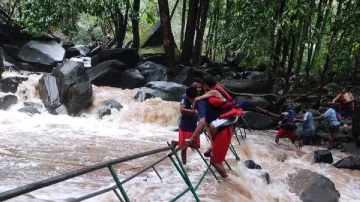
[
  {"x": 277, "y": 140},
  {"x": 220, "y": 168},
  {"x": 183, "y": 156},
  {"x": 208, "y": 131},
  {"x": 330, "y": 140},
  {"x": 213, "y": 131}
]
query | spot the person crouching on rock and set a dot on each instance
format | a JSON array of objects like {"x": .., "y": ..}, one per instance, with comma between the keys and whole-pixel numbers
[
  {"x": 332, "y": 123},
  {"x": 287, "y": 125},
  {"x": 222, "y": 103},
  {"x": 207, "y": 114},
  {"x": 188, "y": 122}
]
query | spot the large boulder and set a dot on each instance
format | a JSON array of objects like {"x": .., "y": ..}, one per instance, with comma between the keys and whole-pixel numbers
[
  {"x": 12, "y": 50},
  {"x": 350, "y": 162},
  {"x": 107, "y": 73},
  {"x": 132, "y": 79},
  {"x": 158, "y": 59},
  {"x": 356, "y": 125},
  {"x": 244, "y": 86},
  {"x": 42, "y": 52},
  {"x": 168, "y": 91},
  {"x": 152, "y": 71},
  {"x": 323, "y": 156},
  {"x": 129, "y": 56},
  {"x": 185, "y": 77},
  {"x": 49, "y": 93},
  {"x": 10, "y": 84},
  {"x": 29, "y": 110},
  {"x": 259, "y": 121},
  {"x": 78, "y": 97},
  {"x": 255, "y": 75},
  {"x": 313, "y": 187},
  {"x": 76, "y": 51},
  {"x": 105, "y": 108},
  {"x": 67, "y": 75},
  {"x": 7, "y": 100}
]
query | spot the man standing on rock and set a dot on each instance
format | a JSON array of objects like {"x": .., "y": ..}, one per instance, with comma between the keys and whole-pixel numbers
[
  {"x": 308, "y": 131},
  {"x": 188, "y": 122},
  {"x": 332, "y": 122}
]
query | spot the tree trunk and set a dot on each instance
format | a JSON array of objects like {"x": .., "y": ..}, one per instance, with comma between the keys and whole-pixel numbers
[
  {"x": 200, "y": 32},
  {"x": 216, "y": 29},
  {"x": 186, "y": 52},
  {"x": 183, "y": 20},
  {"x": 357, "y": 64},
  {"x": 135, "y": 24},
  {"x": 277, "y": 52},
  {"x": 303, "y": 33},
  {"x": 294, "y": 42},
  {"x": 168, "y": 38}
]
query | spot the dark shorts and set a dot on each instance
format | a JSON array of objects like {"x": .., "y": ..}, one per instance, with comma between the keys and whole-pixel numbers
[
  {"x": 345, "y": 112},
  {"x": 306, "y": 136},
  {"x": 334, "y": 129}
]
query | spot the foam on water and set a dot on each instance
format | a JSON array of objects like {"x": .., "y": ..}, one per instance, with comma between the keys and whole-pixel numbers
[{"x": 41, "y": 146}]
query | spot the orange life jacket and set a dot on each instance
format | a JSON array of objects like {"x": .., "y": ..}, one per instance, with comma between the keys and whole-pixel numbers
[
  {"x": 343, "y": 104},
  {"x": 227, "y": 108}
]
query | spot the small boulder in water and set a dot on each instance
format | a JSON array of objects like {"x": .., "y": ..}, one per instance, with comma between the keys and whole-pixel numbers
[
  {"x": 105, "y": 109},
  {"x": 32, "y": 104},
  {"x": 251, "y": 164},
  {"x": 107, "y": 73},
  {"x": 168, "y": 91},
  {"x": 323, "y": 156},
  {"x": 10, "y": 84},
  {"x": 78, "y": 97},
  {"x": 313, "y": 187},
  {"x": 61, "y": 110},
  {"x": 42, "y": 52},
  {"x": 7, "y": 100},
  {"x": 29, "y": 110},
  {"x": 350, "y": 162}
]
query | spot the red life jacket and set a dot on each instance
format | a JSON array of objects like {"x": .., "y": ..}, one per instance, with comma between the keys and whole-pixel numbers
[{"x": 227, "y": 108}]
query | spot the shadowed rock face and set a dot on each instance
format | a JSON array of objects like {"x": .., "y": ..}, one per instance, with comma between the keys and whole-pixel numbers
[
  {"x": 105, "y": 109},
  {"x": 128, "y": 56},
  {"x": 313, "y": 187},
  {"x": 42, "y": 52},
  {"x": 49, "y": 92},
  {"x": 7, "y": 100},
  {"x": 168, "y": 91},
  {"x": 350, "y": 162},
  {"x": 107, "y": 73},
  {"x": 259, "y": 121},
  {"x": 10, "y": 84}
]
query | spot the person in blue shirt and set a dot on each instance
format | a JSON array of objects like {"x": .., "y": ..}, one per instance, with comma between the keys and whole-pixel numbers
[
  {"x": 188, "y": 122},
  {"x": 332, "y": 122},
  {"x": 248, "y": 104}
]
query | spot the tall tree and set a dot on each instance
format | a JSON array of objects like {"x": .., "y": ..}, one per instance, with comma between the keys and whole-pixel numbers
[
  {"x": 168, "y": 38},
  {"x": 135, "y": 24},
  {"x": 187, "y": 50},
  {"x": 200, "y": 29},
  {"x": 183, "y": 20}
]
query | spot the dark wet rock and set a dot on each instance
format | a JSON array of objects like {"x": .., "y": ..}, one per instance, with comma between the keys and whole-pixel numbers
[
  {"x": 168, "y": 91},
  {"x": 41, "y": 52},
  {"x": 10, "y": 84},
  {"x": 185, "y": 77},
  {"x": 244, "y": 86},
  {"x": 152, "y": 72},
  {"x": 67, "y": 75},
  {"x": 7, "y": 100},
  {"x": 12, "y": 50},
  {"x": 49, "y": 92},
  {"x": 107, "y": 73},
  {"x": 68, "y": 44},
  {"x": 255, "y": 75},
  {"x": 356, "y": 125},
  {"x": 214, "y": 71},
  {"x": 251, "y": 164},
  {"x": 264, "y": 175},
  {"x": 323, "y": 156},
  {"x": 158, "y": 59},
  {"x": 61, "y": 110},
  {"x": 47, "y": 38},
  {"x": 132, "y": 79},
  {"x": 259, "y": 121},
  {"x": 313, "y": 187},
  {"x": 78, "y": 97},
  {"x": 229, "y": 75},
  {"x": 32, "y": 104},
  {"x": 77, "y": 51},
  {"x": 29, "y": 110},
  {"x": 128, "y": 56},
  {"x": 94, "y": 51},
  {"x": 333, "y": 87},
  {"x": 350, "y": 162},
  {"x": 105, "y": 108}
]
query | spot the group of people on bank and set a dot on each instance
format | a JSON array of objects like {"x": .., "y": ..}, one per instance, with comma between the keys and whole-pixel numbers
[{"x": 206, "y": 106}]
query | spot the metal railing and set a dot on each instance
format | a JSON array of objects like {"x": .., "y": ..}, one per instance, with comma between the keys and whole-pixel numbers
[{"x": 119, "y": 184}]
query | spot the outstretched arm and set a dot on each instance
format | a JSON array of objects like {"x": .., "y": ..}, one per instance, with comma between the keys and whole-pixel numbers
[
  {"x": 205, "y": 96},
  {"x": 319, "y": 118},
  {"x": 261, "y": 109},
  {"x": 199, "y": 129},
  {"x": 336, "y": 98},
  {"x": 272, "y": 114}
]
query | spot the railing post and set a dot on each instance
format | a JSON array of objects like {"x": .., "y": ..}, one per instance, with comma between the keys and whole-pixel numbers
[
  {"x": 208, "y": 165},
  {"x": 118, "y": 183}
]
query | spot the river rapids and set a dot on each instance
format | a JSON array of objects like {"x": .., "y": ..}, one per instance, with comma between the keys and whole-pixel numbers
[{"x": 36, "y": 147}]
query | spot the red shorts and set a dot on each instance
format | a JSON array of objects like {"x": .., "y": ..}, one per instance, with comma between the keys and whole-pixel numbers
[
  {"x": 286, "y": 133},
  {"x": 183, "y": 135},
  {"x": 221, "y": 144}
]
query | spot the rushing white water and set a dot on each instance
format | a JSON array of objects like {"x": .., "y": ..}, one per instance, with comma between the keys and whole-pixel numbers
[{"x": 40, "y": 146}]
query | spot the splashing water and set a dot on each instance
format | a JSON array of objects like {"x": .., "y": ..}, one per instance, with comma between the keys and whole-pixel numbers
[{"x": 42, "y": 146}]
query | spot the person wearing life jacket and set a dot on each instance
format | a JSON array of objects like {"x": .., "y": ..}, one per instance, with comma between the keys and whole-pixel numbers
[
  {"x": 287, "y": 125},
  {"x": 346, "y": 103},
  {"x": 223, "y": 104}
]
